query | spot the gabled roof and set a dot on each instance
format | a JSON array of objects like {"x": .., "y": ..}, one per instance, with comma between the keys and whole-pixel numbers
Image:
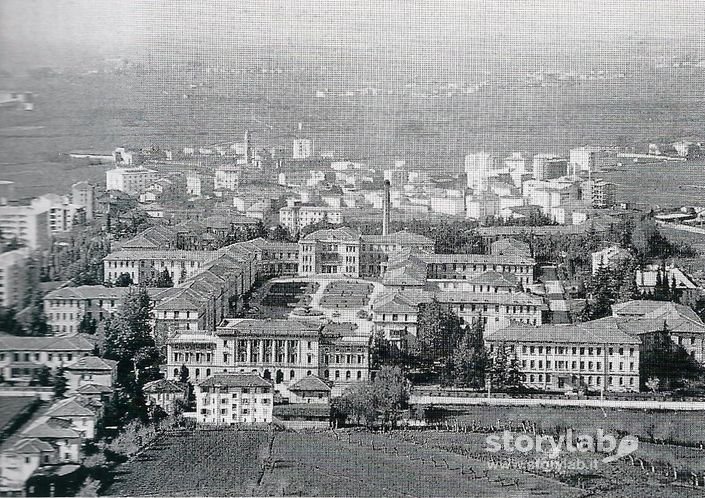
[
  {"x": 510, "y": 246},
  {"x": 88, "y": 292},
  {"x": 72, "y": 343},
  {"x": 139, "y": 242},
  {"x": 480, "y": 259},
  {"x": 342, "y": 233},
  {"x": 68, "y": 408},
  {"x": 410, "y": 274},
  {"x": 163, "y": 386},
  {"x": 88, "y": 389},
  {"x": 647, "y": 314},
  {"x": 402, "y": 237},
  {"x": 51, "y": 429},
  {"x": 398, "y": 302},
  {"x": 310, "y": 383},
  {"x": 31, "y": 446},
  {"x": 92, "y": 363},
  {"x": 602, "y": 331},
  {"x": 236, "y": 380},
  {"x": 269, "y": 326}
]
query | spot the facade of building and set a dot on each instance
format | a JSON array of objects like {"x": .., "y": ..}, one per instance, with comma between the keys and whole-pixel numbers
[
  {"x": 295, "y": 217},
  {"x": 231, "y": 399},
  {"x": 166, "y": 394},
  {"x": 28, "y": 224},
  {"x": 64, "y": 308},
  {"x": 132, "y": 181},
  {"x": 91, "y": 370},
  {"x": 479, "y": 167},
  {"x": 595, "y": 355},
  {"x": 283, "y": 351},
  {"x": 20, "y": 357},
  {"x": 548, "y": 166},
  {"x": 11, "y": 273},
  {"x": 303, "y": 148},
  {"x": 83, "y": 194},
  {"x": 600, "y": 193}
]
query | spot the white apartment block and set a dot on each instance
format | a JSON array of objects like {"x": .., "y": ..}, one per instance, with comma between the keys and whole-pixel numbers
[
  {"x": 83, "y": 194},
  {"x": 479, "y": 167},
  {"x": 21, "y": 356},
  {"x": 28, "y": 224},
  {"x": 297, "y": 217},
  {"x": 591, "y": 158},
  {"x": 594, "y": 355},
  {"x": 132, "y": 181},
  {"x": 231, "y": 399},
  {"x": 11, "y": 273},
  {"x": 227, "y": 177},
  {"x": 303, "y": 148}
]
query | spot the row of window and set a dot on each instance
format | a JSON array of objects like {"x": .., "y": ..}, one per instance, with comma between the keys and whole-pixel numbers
[
  {"x": 55, "y": 303},
  {"x": 590, "y": 379},
  {"x": 573, "y": 365},
  {"x": 37, "y": 356},
  {"x": 571, "y": 350},
  {"x": 442, "y": 267}
]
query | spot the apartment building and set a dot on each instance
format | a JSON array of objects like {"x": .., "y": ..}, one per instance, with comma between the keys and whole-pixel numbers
[
  {"x": 295, "y": 217},
  {"x": 11, "y": 273},
  {"x": 83, "y": 194},
  {"x": 21, "y": 356},
  {"x": 132, "y": 181},
  {"x": 596, "y": 355},
  {"x": 230, "y": 399},
  {"x": 280, "y": 350},
  {"x": 63, "y": 214},
  {"x": 468, "y": 266},
  {"x": 64, "y": 308},
  {"x": 29, "y": 224}
]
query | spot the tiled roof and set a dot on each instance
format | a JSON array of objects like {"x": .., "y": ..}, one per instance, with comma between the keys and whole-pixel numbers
[
  {"x": 88, "y": 292},
  {"x": 402, "y": 238},
  {"x": 51, "y": 429},
  {"x": 31, "y": 446},
  {"x": 510, "y": 246},
  {"x": 602, "y": 331},
  {"x": 72, "y": 343},
  {"x": 342, "y": 233},
  {"x": 169, "y": 255},
  {"x": 163, "y": 386},
  {"x": 68, "y": 408},
  {"x": 646, "y": 315},
  {"x": 399, "y": 302},
  {"x": 88, "y": 389},
  {"x": 503, "y": 298},
  {"x": 481, "y": 259},
  {"x": 500, "y": 279},
  {"x": 316, "y": 410},
  {"x": 310, "y": 383},
  {"x": 268, "y": 326},
  {"x": 92, "y": 363},
  {"x": 235, "y": 380}
]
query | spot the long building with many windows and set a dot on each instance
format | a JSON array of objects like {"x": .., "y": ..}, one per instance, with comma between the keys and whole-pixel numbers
[
  {"x": 280, "y": 350},
  {"x": 596, "y": 355}
]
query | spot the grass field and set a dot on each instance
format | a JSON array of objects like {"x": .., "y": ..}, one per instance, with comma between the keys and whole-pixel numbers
[{"x": 343, "y": 294}]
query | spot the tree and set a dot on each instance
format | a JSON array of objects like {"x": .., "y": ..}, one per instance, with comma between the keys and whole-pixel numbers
[
  {"x": 164, "y": 279},
  {"x": 60, "y": 383},
  {"x": 469, "y": 360},
  {"x": 129, "y": 341},
  {"x": 665, "y": 360},
  {"x": 653, "y": 384},
  {"x": 281, "y": 234},
  {"x": 88, "y": 325},
  {"x": 123, "y": 280},
  {"x": 183, "y": 374},
  {"x": 43, "y": 376},
  {"x": 390, "y": 393},
  {"x": 439, "y": 331}
]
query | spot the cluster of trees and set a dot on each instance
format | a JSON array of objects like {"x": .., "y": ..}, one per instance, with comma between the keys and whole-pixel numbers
[
  {"x": 609, "y": 285},
  {"x": 384, "y": 397},
  {"x": 665, "y": 364},
  {"x": 79, "y": 257},
  {"x": 535, "y": 219},
  {"x": 127, "y": 338}
]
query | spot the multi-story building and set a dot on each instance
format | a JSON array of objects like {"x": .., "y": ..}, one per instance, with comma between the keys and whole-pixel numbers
[
  {"x": 594, "y": 355},
  {"x": 21, "y": 356},
  {"x": 591, "y": 158},
  {"x": 11, "y": 273},
  {"x": 29, "y": 224},
  {"x": 83, "y": 194},
  {"x": 227, "y": 177},
  {"x": 467, "y": 266},
  {"x": 230, "y": 399},
  {"x": 64, "y": 215},
  {"x": 479, "y": 167},
  {"x": 91, "y": 370},
  {"x": 166, "y": 394},
  {"x": 132, "y": 181},
  {"x": 303, "y": 148},
  {"x": 548, "y": 166},
  {"x": 295, "y": 217},
  {"x": 284, "y": 351},
  {"x": 599, "y": 193}
]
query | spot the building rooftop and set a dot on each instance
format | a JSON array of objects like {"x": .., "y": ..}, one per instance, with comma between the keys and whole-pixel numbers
[
  {"x": 310, "y": 383},
  {"x": 92, "y": 363},
  {"x": 269, "y": 326},
  {"x": 68, "y": 408},
  {"x": 163, "y": 386},
  {"x": 73, "y": 343},
  {"x": 235, "y": 380},
  {"x": 602, "y": 331}
]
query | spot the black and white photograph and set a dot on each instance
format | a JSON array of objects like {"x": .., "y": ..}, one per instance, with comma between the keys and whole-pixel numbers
[{"x": 352, "y": 248}]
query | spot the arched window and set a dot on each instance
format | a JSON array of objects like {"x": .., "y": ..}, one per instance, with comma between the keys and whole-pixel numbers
[
  {"x": 279, "y": 376},
  {"x": 359, "y": 375},
  {"x": 292, "y": 374},
  {"x": 347, "y": 375},
  {"x": 198, "y": 372},
  {"x": 208, "y": 372},
  {"x": 176, "y": 373},
  {"x": 326, "y": 374},
  {"x": 308, "y": 372},
  {"x": 267, "y": 375}
]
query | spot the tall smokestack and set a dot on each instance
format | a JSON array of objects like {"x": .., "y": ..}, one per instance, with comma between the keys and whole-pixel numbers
[
  {"x": 248, "y": 148},
  {"x": 386, "y": 207}
]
